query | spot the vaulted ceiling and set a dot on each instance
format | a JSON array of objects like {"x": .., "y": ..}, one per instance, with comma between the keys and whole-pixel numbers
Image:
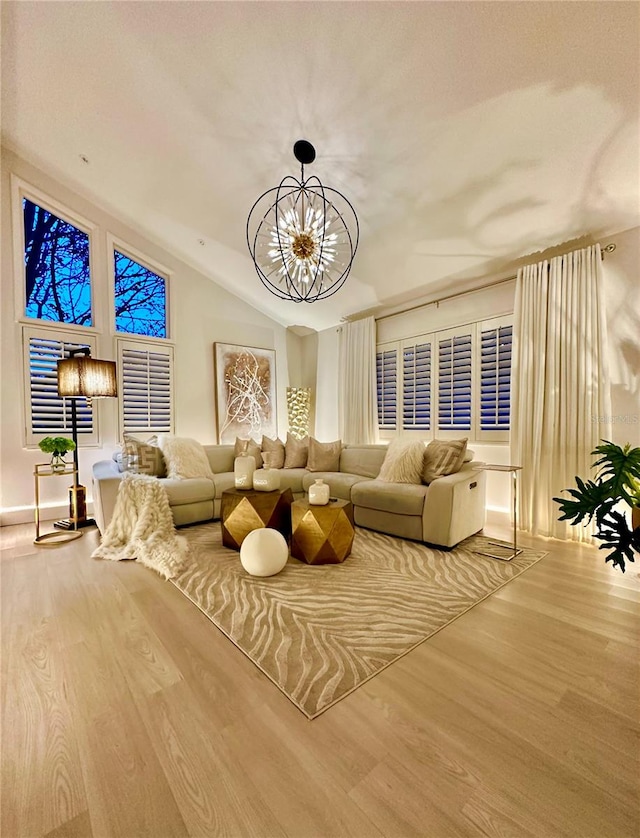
[{"x": 466, "y": 134}]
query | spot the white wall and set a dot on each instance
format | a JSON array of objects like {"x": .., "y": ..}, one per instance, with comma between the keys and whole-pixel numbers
[{"x": 203, "y": 313}]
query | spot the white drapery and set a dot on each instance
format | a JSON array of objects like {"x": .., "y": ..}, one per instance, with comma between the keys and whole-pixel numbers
[
  {"x": 358, "y": 395},
  {"x": 560, "y": 387}
]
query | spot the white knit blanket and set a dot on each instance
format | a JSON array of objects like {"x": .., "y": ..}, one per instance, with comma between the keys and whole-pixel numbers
[{"x": 142, "y": 528}]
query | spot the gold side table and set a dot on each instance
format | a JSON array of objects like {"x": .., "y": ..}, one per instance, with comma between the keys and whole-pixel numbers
[
  {"x": 40, "y": 471},
  {"x": 245, "y": 510},
  {"x": 322, "y": 534},
  {"x": 512, "y": 549}
]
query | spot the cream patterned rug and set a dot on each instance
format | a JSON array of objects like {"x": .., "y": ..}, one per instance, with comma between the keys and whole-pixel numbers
[{"x": 318, "y": 632}]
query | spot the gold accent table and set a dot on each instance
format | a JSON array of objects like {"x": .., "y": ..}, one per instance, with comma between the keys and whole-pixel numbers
[
  {"x": 245, "y": 510},
  {"x": 56, "y": 537},
  {"x": 322, "y": 534},
  {"x": 512, "y": 549}
]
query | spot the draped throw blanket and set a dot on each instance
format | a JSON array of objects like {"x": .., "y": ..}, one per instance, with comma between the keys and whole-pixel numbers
[
  {"x": 358, "y": 394},
  {"x": 560, "y": 386},
  {"x": 142, "y": 528}
]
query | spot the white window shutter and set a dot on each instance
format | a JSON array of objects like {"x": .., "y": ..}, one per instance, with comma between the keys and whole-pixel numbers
[
  {"x": 146, "y": 375},
  {"x": 495, "y": 378},
  {"x": 416, "y": 387},
  {"x": 455, "y": 382},
  {"x": 386, "y": 372}
]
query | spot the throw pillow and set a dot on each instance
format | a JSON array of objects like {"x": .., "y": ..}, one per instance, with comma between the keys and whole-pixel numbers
[
  {"x": 184, "y": 457},
  {"x": 442, "y": 457},
  {"x": 248, "y": 447},
  {"x": 143, "y": 457},
  {"x": 324, "y": 456},
  {"x": 403, "y": 462},
  {"x": 296, "y": 452},
  {"x": 275, "y": 448}
]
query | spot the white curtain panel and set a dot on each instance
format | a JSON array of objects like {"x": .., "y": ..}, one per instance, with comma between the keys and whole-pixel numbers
[
  {"x": 357, "y": 371},
  {"x": 560, "y": 387}
]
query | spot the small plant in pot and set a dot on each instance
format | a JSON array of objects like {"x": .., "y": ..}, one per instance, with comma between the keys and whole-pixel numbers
[
  {"x": 617, "y": 479},
  {"x": 57, "y": 446}
]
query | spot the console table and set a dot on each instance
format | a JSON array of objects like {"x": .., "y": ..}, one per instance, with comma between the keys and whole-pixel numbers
[
  {"x": 512, "y": 549},
  {"x": 40, "y": 471}
]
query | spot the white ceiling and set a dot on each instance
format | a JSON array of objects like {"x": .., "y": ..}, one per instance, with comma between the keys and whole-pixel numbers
[{"x": 466, "y": 134}]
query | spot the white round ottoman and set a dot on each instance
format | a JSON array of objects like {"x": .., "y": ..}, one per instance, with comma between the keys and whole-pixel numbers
[{"x": 264, "y": 552}]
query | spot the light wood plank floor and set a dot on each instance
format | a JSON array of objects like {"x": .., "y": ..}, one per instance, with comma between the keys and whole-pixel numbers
[{"x": 127, "y": 713}]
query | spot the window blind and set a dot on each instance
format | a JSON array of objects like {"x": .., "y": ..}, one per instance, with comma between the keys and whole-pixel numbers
[
  {"x": 386, "y": 372},
  {"x": 416, "y": 387},
  {"x": 495, "y": 378},
  {"x": 50, "y": 413},
  {"x": 454, "y": 383},
  {"x": 146, "y": 389}
]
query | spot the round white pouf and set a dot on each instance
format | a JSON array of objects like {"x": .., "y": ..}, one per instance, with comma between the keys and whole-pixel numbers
[{"x": 264, "y": 552}]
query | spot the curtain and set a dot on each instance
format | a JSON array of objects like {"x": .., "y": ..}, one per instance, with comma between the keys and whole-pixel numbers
[
  {"x": 357, "y": 392},
  {"x": 560, "y": 386}
]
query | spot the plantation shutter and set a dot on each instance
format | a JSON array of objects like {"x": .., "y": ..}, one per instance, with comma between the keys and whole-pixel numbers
[
  {"x": 495, "y": 378},
  {"x": 454, "y": 383},
  {"x": 49, "y": 413},
  {"x": 386, "y": 372},
  {"x": 146, "y": 388},
  {"x": 416, "y": 387}
]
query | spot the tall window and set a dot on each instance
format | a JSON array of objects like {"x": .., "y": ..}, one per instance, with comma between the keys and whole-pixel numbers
[
  {"x": 140, "y": 297},
  {"x": 416, "y": 387},
  {"x": 57, "y": 270},
  {"x": 454, "y": 383},
  {"x": 146, "y": 387},
  {"x": 386, "y": 373},
  {"x": 495, "y": 378}
]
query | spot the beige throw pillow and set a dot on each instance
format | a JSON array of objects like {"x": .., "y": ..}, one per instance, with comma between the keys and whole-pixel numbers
[
  {"x": 184, "y": 457},
  {"x": 143, "y": 457},
  {"x": 403, "y": 462},
  {"x": 275, "y": 448},
  {"x": 442, "y": 457},
  {"x": 296, "y": 452},
  {"x": 324, "y": 456},
  {"x": 250, "y": 447}
]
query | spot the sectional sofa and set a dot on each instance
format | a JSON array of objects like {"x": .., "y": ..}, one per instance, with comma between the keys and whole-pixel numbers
[{"x": 443, "y": 513}]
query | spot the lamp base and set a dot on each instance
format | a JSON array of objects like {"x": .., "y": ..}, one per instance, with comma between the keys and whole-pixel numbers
[
  {"x": 70, "y": 524},
  {"x": 77, "y": 510}
]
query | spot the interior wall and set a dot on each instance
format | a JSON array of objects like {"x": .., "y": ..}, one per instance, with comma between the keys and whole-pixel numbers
[{"x": 203, "y": 313}]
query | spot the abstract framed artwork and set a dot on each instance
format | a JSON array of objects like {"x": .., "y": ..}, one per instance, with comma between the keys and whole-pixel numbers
[{"x": 245, "y": 392}]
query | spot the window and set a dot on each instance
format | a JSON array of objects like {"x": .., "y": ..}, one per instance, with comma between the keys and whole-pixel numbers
[
  {"x": 48, "y": 413},
  {"x": 454, "y": 382},
  {"x": 416, "y": 387},
  {"x": 140, "y": 298},
  {"x": 386, "y": 367},
  {"x": 495, "y": 378},
  {"x": 57, "y": 267},
  {"x": 146, "y": 387}
]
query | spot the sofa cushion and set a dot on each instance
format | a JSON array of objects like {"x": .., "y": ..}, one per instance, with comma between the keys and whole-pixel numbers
[
  {"x": 274, "y": 447},
  {"x": 403, "y": 462},
  {"x": 296, "y": 452},
  {"x": 324, "y": 456},
  {"x": 340, "y": 484},
  {"x": 224, "y": 481},
  {"x": 399, "y": 498},
  {"x": 185, "y": 457},
  {"x": 442, "y": 457},
  {"x": 142, "y": 456},
  {"x": 192, "y": 490},
  {"x": 220, "y": 458},
  {"x": 248, "y": 447},
  {"x": 291, "y": 478},
  {"x": 364, "y": 460}
]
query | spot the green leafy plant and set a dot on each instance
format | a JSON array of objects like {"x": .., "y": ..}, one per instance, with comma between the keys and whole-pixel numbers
[
  {"x": 56, "y": 445},
  {"x": 617, "y": 479}
]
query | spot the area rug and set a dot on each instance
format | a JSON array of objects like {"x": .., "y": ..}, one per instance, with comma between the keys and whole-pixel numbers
[{"x": 319, "y": 632}]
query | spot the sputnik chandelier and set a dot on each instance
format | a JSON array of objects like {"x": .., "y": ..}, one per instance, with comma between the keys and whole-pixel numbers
[{"x": 302, "y": 235}]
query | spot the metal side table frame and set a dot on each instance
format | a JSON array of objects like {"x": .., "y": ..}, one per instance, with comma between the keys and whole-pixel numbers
[
  {"x": 56, "y": 537},
  {"x": 512, "y": 548}
]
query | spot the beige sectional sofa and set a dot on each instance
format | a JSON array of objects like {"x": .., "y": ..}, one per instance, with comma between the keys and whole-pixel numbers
[{"x": 443, "y": 513}]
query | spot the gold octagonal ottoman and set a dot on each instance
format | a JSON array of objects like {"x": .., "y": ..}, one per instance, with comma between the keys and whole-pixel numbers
[{"x": 322, "y": 534}]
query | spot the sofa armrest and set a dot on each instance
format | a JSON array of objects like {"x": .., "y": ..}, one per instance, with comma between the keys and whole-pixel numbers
[
  {"x": 106, "y": 481},
  {"x": 454, "y": 507}
]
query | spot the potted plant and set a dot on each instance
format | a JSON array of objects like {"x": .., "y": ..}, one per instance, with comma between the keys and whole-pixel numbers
[
  {"x": 617, "y": 479},
  {"x": 57, "y": 446}
]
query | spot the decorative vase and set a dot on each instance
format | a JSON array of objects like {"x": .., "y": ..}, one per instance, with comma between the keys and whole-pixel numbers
[
  {"x": 243, "y": 468},
  {"x": 57, "y": 463},
  {"x": 266, "y": 479},
  {"x": 319, "y": 493}
]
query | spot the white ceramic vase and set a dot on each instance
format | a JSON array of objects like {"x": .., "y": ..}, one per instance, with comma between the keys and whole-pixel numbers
[
  {"x": 243, "y": 469},
  {"x": 266, "y": 479},
  {"x": 319, "y": 493}
]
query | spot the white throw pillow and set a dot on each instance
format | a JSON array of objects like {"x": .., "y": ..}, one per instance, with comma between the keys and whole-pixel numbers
[
  {"x": 403, "y": 462},
  {"x": 184, "y": 457}
]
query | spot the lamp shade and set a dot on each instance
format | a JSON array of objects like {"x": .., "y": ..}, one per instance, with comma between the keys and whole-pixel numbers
[{"x": 82, "y": 375}]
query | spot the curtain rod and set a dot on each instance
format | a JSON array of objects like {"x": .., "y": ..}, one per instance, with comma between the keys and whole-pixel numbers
[{"x": 609, "y": 248}]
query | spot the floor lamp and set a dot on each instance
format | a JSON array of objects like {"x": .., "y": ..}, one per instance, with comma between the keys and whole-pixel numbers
[{"x": 81, "y": 376}]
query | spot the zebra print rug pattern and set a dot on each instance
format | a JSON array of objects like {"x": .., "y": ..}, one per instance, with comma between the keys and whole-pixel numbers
[{"x": 320, "y": 631}]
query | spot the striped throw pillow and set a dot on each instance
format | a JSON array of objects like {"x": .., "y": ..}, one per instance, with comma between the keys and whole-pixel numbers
[{"x": 442, "y": 457}]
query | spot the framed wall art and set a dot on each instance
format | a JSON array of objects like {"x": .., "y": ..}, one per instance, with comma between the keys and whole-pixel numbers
[{"x": 245, "y": 392}]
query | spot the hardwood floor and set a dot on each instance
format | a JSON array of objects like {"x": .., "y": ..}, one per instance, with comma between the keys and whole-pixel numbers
[{"x": 127, "y": 713}]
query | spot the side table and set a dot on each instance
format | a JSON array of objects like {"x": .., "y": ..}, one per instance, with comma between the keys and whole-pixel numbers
[
  {"x": 512, "y": 549},
  {"x": 322, "y": 534},
  {"x": 57, "y": 536},
  {"x": 245, "y": 510}
]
